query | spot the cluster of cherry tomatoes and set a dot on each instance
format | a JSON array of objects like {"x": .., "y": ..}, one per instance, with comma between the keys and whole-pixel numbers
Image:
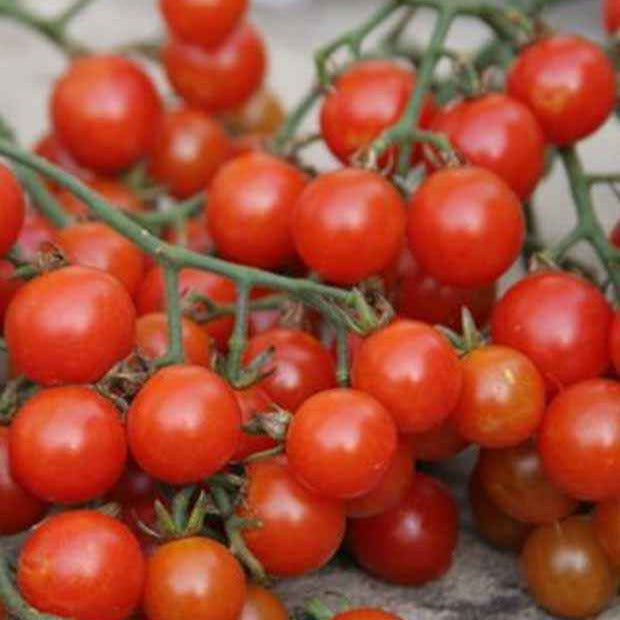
[{"x": 540, "y": 398}]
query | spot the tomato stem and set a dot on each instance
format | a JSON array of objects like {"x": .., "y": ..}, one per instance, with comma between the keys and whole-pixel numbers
[
  {"x": 176, "y": 353},
  {"x": 238, "y": 339},
  {"x": 343, "y": 356}
]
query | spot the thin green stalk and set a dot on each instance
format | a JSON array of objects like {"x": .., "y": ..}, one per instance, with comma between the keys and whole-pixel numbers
[
  {"x": 603, "y": 178},
  {"x": 73, "y": 10},
  {"x": 343, "y": 356},
  {"x": 295, "y": 118},
  {"x": 176, "y": 353},
  {"x": 238, "y": 339},
  {"x": 180, "y": 211},
  {"x": 44, "y": 200}
]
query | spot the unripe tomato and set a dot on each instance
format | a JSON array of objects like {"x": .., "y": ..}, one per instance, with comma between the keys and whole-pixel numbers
[
  {"x": 262, "y": 115},
  {"x": 12, "y": 209}
]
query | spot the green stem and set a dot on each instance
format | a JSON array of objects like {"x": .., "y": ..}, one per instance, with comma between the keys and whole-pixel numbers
[
  {"x": 295, "y": 118},
  {"x": 342, "y": 343},
  {"x": 63, "y": 19},
  {"x": 176, "y": 353},
  {"x": 238, "y": 339},
  {"x": 181, "y": 211},
  {"x": 43, "y": 199},
  {"x": 603, "y": 178}
]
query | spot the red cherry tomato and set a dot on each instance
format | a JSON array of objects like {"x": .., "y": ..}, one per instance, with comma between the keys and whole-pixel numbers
[
  {"x": 611, "y": 15},
  {"x": 12, "y": 209},
  {"x": 414, "y": 542},
  {"x": 465, "y": 226},
  {"x": 195, "y": 578},
  {"x": 615, "y": 343},
  {"x": 301, "y": 366},
  {"x": 250, "y": 207},
  {"x": 51, "y": 148},
  {"x": 439, "y": 443},
  {"x": 251, "y": 401},
  {"x": 579, "y": 440},
  {"x": 261, "y": 604},
  {"x": 615, "y": 235},
  {"x": 413, "y": 371},
  {"x": 8, "y": 287},
  {"x": 104, "y": 109},
  {"x": 606, "y": 523},
  {"x": 192, "y": 234},
  {"x": 184, "y": 424},
  {"x": 218, "y": 79},
  {"x": 35, "y": 234},
  {"x": 365, "y": 614},
  {"x": 498, "y": 133},
  {"x": 203, "y": 23},
  {"x": 349, "y": 225},
  {"x": 84, "y": 565},
  {"x": 560, "y": 322},
  {"x": 568, "y": 83},
  {"x": 70, "y": 326},
  {"x": 288, "y": 512},
  {"x": 113, "y": 192}
]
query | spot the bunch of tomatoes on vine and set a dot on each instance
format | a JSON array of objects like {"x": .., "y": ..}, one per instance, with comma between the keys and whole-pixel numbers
[{"x": 224, "y": 364}]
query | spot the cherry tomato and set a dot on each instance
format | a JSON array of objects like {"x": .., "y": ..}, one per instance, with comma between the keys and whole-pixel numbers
[
  {"x": 579, "y": 440},
  {"x": 414, "y": 542},
  {"x": 104, "y": 109},
  {"x": 184, "y": 424},
  {"x": 606, "y": 522},
  {"x": 70, "y": 326},
  {"x": 498, "y": 133},
  {"x": 261, "y": 604},
  {"x": 35, "y": 234},
  {"x": 219, "y": 79},
  {"x": 615, "y": 235},
  {"x": 413, "y": 371},
  {"x": 205, "y": 24},
  {"x": 439, "y": 443},
  {"x": 250, "y": 143},
  {"x": 83, "y": 565},
  {"x": 611, "y": 15},
  {"x": 51, "y": 148},
  {"x": 465, "y": 226},
  {"x": 262, "y": 114},
  {"x": 615, "y": 342},
  {"x": 250, "y": 207},
  {"x": 300, "y": 531},
  {"x": 189, "y": 148},
  {"x": 568, "y": 83},
  {"x": 341, "y": 443},
  {"x": 364, "y": 613},
  {"x": 12, "y": 209},
  {"x": 251, "y": 401},
  {"x": 300, "y": 366},
  {"x": 192, "y": 234},
  {"x": 566, "y": 569},
  {"x": 349, "y": 225},
  {"x": 113, "y": 192},
  {"x": 560, "y": 322},
  {"x": 8, "y": 287}
]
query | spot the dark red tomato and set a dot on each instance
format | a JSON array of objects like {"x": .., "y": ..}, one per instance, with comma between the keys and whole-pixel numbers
[
  {"x": 8, "y": 287},
  {"x": 70, "y": 326},
  {"x": 341, "y": 443},
  {"x": 615, "y": 343},
  {"x": 366, "y": 100},
  {"x": 151, "y": 297},
  {"x": 203, "y": 23},
  {"x": 349, "y": 225},
  {"x": 300, "y": 531},
  {"x": 414, "y": 542},
  {"x": 568, "y": 83},
  {"x": 364, "y": 613},
  {"x": 195, "y": 578},
  {"x": 615, "y": 235},
  {"x": 51, "y": 148},
  {"x": 192, "y": 234},
  {"x": 152, "y": 338},
  {"x": 262, "y": 114},
  {"x": 261, "y": 604},
  {"x": 465, "y": 226},
  {"x": 35, "y": 234},
  {"x": 67, "y": 445},
  {"x": 560, "y": 322},
  {"x": 503, "y": 398},
  {"x": 301, "y": 366},
  {"x": 579, "y": 440},
  {"x": 439, "y": 443},
  {"x": 498, "y": 133},
  {"x": 516, "y": 483},
  {"x": 250, "y": 207},
  {"x": 189, "y": 148},
  {"x": 184, "y": 424},
  {"x": 84, "y": 565},
  {"x": 611, "y": 15},
  {"x": 220, "y": 79},
  {"x": 12, "y": 209},
  {"x": 104, "y": 109},
  {"x": 413, "y": 371},
  {"x": 606, "y": 522},
  {"x": 20, "y": 510},
  {"x": 252, "y": 401},
  {"x": 2, "y": 611}
]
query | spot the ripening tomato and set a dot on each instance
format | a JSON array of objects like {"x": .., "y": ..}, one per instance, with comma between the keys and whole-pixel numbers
[
  {"x": 51, "y": 148},
  {"x": 498, "y": 133},
  {"x": 220, "y": 79},
  {"x": 191, "y": 234},
  {"x": 364, "y": 613},
  {"x": 250, "y": 207},
  {"x": 299, "y": 366},
  {"x": 413, "y": 371},
  {"x": 36, "y": 233},
  {"x": 183, "y": 425},
  {"x": 568, "y": 83},
  {"x": 262, "y": 604},
  {"x": 299, "y": 531},
  {"x": 611, "y": 15},
  {"x": 263, "y": 114},
  {"x": 8, "y": 287},
  {"x": 113, "y": 192},
  {"x": 614, "y": 342},
  {"x": 83, "y": 565},
  {"x": 69, "y": 326},
  {"x": 465, "y": 226},
  {"x": 439, "y": 443},
  {"x": 412, "y": 543},
  {"x": 195, "y": 578},
  {"x": 252, "y": 401},
  {"x": 12, "y": 209},
  {"x": 349, "y": 225},
  {"x": 558, "y": 320},
  {"x": 104, "y": 109}
]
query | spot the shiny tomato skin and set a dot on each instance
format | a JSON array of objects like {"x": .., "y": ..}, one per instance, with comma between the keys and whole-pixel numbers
[
  {"x": 221, "y": 79},
  {"x": 611, "y": 15},
  {"x": 439, "y": 443},
  {"x": 82, "y": 564},
  {"x": 251, "y": 401},
  {"x": 302, "y": 367},
  {"x": 615, "y": 343},
  {"x": 195, "y": 578},
  {"x": 414, "y": 542},
  {"x": 36, "y": 233},
  {"x": 289, "y": 512},
  {"x": 413, "y": 371},
  {"x": 103, "y": 109},
  {"x": 262, "y": 604},
  {"x": 348, "y": 225},
  {"x": 250, "y": 207},
  {"x": 579, "y": 440},
  {"x": 8, "y": 287},
  {"x": 12, "y": 209},
  {"x": 561, "y": 322},
  {"x": 69, "y": 326},
  {"x": 568, "y": 83},
  {"x": 113, "y": 192},
  {"x": 465, "y": 226},
  {"x": 183, "y": 425}
]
